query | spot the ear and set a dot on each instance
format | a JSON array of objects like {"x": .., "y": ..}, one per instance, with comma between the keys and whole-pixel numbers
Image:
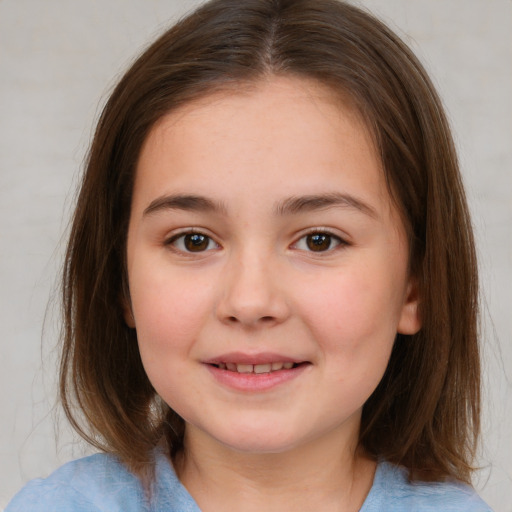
[
  {"x": 128, "y": 317},
  {"x": 410, "y": 321},
  {"x": 126, "y": 306}
]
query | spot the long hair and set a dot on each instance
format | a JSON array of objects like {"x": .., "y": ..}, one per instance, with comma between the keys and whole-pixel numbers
[{"x": 425, "y": 412}]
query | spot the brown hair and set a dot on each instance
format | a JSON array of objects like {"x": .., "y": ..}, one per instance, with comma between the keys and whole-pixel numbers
[{"x": 425, "y": 412}]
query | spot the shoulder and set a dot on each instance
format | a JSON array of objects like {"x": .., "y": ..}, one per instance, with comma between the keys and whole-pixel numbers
[
  {"x": 392, "y": 490},
  {"x": 93, "y": 484}
]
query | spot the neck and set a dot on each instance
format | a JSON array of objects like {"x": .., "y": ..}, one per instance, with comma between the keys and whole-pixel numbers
[{"x": 327, "y": 475}]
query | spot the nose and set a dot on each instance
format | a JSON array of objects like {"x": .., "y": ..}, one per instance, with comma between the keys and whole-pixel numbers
[{"x": 252, "y": 294}]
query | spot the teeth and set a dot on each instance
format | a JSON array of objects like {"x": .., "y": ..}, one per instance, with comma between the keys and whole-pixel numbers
[
  {"x": 262, "y": 368},
  {"x": 255, "y": 368}
]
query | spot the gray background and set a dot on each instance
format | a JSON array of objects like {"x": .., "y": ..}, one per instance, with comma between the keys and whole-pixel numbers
[{"x": 59, "y": 59}]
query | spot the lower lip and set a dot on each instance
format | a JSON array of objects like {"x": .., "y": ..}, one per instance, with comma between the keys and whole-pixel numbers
[{"x": 254, "y": 382}]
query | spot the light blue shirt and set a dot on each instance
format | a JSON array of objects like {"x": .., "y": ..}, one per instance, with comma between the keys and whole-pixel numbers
[{"x": 100, "y": 483}]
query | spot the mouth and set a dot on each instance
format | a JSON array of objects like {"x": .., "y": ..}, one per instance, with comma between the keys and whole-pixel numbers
[
  {"x": 257, "y": 368},
  {"x": 255, "y": 373}
]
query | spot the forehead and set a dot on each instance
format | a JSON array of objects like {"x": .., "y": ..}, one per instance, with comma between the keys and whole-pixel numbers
[
  {"x": 264, "y": 94},
  {"x": 276, "y": 133}
]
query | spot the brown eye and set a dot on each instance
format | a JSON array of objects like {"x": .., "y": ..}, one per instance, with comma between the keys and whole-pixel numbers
[
  {"x": 196, "y": 242},
  {"x": 193, "y": 242},
  {"x": 319, "y": 241}
]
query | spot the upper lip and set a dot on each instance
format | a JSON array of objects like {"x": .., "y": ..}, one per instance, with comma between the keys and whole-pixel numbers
[{"x": 258, "y": 358}]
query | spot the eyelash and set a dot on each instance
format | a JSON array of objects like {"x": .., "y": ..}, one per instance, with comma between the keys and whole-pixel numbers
[
  {"x": 175, "y": 240},
  {"x": 206, "y": 243},
  {"x": 323, "y": 234}
]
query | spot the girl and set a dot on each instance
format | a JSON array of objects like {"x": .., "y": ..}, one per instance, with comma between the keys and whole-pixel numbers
[{"x": 270, "y": 284}]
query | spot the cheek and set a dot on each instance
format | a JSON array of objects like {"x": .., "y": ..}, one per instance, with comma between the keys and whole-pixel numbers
[
  {"x": 169, "y": 312},
  {"x": 354, "y": 326},
  {"x": 169, "y": 309},
  {"x": 358, "y": 311}
]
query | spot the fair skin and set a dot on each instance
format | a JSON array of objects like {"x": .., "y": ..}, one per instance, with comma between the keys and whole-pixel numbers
[{"x": 268, "y": 275}]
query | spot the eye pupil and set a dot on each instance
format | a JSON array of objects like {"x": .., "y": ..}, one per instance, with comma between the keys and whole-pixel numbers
[
  {"x": 318, "y": 242},
  {"x": 195, "y": 242}
]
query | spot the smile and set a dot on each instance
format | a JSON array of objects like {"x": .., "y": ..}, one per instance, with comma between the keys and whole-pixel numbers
[
  {"x": 259, "y": 372},
  {"x": 256, "y": 368},
  {"x": 256, "y": 377}
]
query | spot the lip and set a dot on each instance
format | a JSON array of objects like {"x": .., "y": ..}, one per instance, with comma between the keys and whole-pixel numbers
[
  {"x": 258, "y": 358},
  {"x": 254, "y": 382}
]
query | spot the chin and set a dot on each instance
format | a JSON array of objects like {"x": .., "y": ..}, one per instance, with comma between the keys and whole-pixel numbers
[{"x": 260, "y": 442}]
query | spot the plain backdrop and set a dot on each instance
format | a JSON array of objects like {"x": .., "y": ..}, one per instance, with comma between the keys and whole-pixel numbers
[{"x": 58, "y": 61}]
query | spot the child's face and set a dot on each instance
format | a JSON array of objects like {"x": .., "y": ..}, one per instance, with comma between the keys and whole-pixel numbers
[{"x": 262, "y": 233}]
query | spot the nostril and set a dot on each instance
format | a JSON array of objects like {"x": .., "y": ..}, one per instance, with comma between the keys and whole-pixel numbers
[{"x": 264, "y": 319}]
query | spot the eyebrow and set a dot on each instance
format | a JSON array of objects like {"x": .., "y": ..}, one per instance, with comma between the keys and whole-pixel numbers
[
  {"x": 308, "y": 203},
  {"x": 289, "y": 206},
  {"x": 186, "y": 202}
]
